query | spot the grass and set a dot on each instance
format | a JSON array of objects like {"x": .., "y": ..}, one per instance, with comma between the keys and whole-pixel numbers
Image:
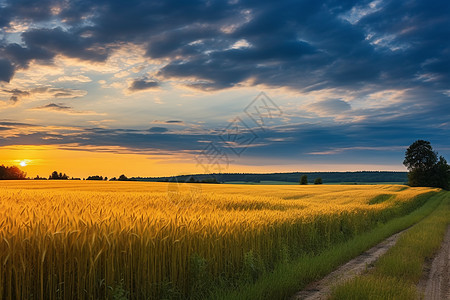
[
  {"x": 292, "y": 276},
  {"x": 397, "y": 273},
  {"x": 381, "y": 198},
  {"x": 375, "y": 288}
]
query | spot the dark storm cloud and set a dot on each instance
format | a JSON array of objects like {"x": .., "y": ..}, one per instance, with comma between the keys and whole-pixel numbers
[
  {"x": 68, "y": 43},
  {"x": 28, "y": 10},
  {"x": 23, "y": 55},
  {"x": 6, "y": 70},
  {"x": 143, "y": 84},
  {"x": 419, "y": 31},
  {"x": 300, "y": 44}
]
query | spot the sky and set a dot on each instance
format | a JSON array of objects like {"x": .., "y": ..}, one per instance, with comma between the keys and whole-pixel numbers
[{"x": 162, "y": 88}]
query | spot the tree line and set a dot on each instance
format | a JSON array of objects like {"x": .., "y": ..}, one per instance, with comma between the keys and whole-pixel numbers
[{"x": 425, "y": 168}]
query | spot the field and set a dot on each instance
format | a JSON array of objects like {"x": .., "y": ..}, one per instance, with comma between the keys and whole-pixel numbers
[{"x": 98, "y": 240}]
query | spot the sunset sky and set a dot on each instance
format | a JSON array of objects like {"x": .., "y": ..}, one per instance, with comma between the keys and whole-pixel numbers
[{"x": 160, "y": 88}]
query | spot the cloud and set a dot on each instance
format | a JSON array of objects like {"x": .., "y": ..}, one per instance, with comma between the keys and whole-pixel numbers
[
  {"x": 68, "y": 43},
  {"x": 61, "y": 107},
  {"x": 22, "y": 56},
  {"x": 16, "y": 94},
  {"x": 54, "y": 106},
  {"x": 42, "y": 93},
  {"x": 143, "y": 84},
  {"x": 158, "y": 129},
  {"x": 78, "y": 78},
  {"x": 169, "y": 122},
  {"x": 6, "y": 70},
  {"x": 329, "y": 107},
  {"x": 302, "y": 45}
]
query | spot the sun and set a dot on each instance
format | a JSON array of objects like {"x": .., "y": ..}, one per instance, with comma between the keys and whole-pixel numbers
[{"x": 23, "y": 163}]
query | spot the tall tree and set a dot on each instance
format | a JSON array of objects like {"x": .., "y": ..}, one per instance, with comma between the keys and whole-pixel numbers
[
  {"x": 420, "y": 156},
  {"x": 424, "y": 167}
]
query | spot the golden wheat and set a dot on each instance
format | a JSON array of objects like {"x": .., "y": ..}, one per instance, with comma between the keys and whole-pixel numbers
[{"x": 89, "y": 240}]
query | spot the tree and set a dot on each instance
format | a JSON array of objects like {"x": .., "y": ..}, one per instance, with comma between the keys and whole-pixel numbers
[
  {"x": 95, "y": 177},
  {"x": 123, "y": 178},
  {"x": 10, "y": 173},
  {"x": 442, "y": 174},
  {"x": 304, "y": 180},
  {"x": 318, "y": 180},
  {"x": 420, "y": 156},
  {"x": 209, "y": 180},
  {"x": 424, "y": 167},
  {"x": 56, "y": 176}
]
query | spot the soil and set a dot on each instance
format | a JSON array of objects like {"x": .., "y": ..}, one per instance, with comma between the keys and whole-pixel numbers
[
  {"x": 321, "y": 289},
  {"x": 435, "y": 283}
]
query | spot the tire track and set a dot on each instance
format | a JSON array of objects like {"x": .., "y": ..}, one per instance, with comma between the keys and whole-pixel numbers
[
  {"x": 322, "y": 289},
  {"x": 436, "y": 283}
]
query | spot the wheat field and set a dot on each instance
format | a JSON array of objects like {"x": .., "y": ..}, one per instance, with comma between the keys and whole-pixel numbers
[{"x": 100, "y": 240}]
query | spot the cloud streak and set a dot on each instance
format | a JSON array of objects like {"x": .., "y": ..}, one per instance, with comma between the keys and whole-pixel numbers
[
  {"x": 143, "y": 84},
  {"x": 62, "y": 108}
]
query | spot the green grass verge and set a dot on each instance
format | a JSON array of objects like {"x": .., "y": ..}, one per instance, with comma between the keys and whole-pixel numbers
[
  {"x": 292, "y": 276},
  {"x": 397, "y": 273}
]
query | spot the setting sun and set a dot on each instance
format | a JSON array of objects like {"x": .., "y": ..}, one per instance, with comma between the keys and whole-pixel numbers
[{"x": 23, "y": 163}]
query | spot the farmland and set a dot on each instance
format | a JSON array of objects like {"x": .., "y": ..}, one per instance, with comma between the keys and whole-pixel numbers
[{"x": 97, "y": 240}]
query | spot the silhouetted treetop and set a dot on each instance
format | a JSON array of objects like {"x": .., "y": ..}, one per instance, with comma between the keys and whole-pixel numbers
[
  {"x": 420, "y": 155},
  {"x": 56, "y": 176},
  {"x": 11, "y": 173},
  {"x": 95, "y": 177}
]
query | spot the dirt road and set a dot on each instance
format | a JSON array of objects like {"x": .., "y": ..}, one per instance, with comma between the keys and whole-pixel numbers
[
  {"x": 436, "y": 282},
  {"x": 321, "y": 289}
]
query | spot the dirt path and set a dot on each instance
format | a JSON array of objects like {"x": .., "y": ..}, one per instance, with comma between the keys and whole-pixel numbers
[
  {"x": 321, "y": 289},
  {"x": 436, "y": 282}
]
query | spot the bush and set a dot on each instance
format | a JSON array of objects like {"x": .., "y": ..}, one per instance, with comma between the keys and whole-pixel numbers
[{"x": 304, "y": 179}]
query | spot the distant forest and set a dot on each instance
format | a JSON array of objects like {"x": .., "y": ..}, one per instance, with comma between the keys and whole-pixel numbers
[{"x": 327, "y": 177}]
